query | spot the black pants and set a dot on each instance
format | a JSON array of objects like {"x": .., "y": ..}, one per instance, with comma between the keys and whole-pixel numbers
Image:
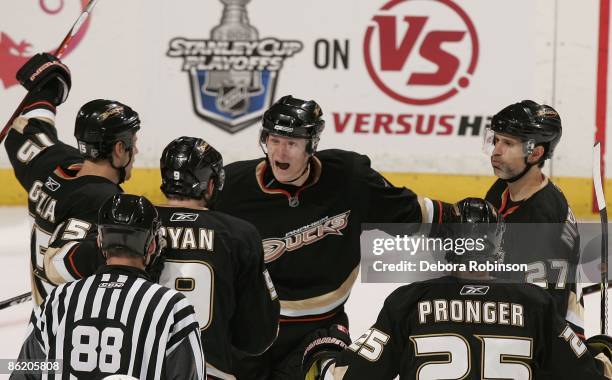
[{"x": 283, "y": 361}]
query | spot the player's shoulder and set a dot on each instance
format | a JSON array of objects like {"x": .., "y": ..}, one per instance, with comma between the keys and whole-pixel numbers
[
  {"x": 173, "y": 296},
  {"x": 232, "y": 223},
  {"x": 548, "y": 205},
  {"x": 343, "y": 162},
  {"x": 239, "y": 169},
  {"x": 89, "y": 192},
  {"x": 341, "y": 156}
]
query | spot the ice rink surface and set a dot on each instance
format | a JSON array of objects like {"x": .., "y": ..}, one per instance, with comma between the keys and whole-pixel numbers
[{"x": 362, "y": 307}]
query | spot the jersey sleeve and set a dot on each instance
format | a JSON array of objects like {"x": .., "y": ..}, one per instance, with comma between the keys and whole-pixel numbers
[
  {"x": 33, "y": 347},
  {"x": 255, "y": 321},
  {"x": 73, "y": 252},
  {"x": 376, "y": 354},
  {"x": 563, "y": 354},
  {"x": 184, "y": 353},
  {"x": 383, "y": 202},
  {"x": 33, "y": 146}
]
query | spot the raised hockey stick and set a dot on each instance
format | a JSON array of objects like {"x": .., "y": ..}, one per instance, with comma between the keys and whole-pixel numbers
[
  {"x": 15, "y": 300},
  {"x": 58, "y": 53},
  {"x": 603, "y": 215}
]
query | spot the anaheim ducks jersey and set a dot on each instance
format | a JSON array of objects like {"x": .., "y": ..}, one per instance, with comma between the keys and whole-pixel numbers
[
  {"x": 216, "y": 260},
  {"x": 459, "y": 329},
  {"x": 311, "y": 234},
  {"x": 63, "y": 207},
  {"x": 553, "y": 245}
]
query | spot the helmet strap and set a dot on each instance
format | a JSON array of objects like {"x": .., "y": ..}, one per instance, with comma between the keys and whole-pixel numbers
[
  {"x": 302, "y": 173},
  {"x": 521, "y": 174},
  {"x": 121, "y": 169}
]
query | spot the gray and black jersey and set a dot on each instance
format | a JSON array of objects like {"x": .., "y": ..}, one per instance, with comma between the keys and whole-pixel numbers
[{"x": 116, "y": 322}]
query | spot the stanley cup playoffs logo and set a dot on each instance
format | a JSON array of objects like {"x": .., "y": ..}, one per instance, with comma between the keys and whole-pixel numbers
[{"x": 233, "y": 74}]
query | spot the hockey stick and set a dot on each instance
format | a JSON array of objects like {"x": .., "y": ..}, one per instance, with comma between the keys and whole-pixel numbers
[
  {"x": 15, "y": 300},
  {"x": 58, "y": 53},
  {"x": 603, "y": 215}
]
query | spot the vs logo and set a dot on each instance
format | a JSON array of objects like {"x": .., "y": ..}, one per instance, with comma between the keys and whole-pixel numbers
[{"x": 421, "y": 52}]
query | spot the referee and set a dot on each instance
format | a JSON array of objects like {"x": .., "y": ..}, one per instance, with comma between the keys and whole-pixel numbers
[{"x": 118, "y": 321}]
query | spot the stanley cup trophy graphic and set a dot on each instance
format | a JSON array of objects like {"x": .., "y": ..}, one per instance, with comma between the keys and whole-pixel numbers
[{"x": 233, "y": 88}]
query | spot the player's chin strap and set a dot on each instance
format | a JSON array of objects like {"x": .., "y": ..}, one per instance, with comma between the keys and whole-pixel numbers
[
  {"x": 121, "y": 169},
  {"x": 306, "y": 168},
  {"x": 521, "y": 174}
]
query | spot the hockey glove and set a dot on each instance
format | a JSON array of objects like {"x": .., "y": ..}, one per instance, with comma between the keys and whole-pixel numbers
[
  {"x": 45, "y": 74},
  {"x": 600, "y": 344},
  {"x": 320, "y": 345}
]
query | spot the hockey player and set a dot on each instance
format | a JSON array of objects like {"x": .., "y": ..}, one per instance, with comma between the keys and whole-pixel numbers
[
  {"x": 66, "y": 186},
  {"x": 521, "y": 138},
  {"x": 465, "y": 326},
  {"x": 118, "y": 321},
  {"x": 215, "y": 259},
  {"x": 308, "y": 207}
]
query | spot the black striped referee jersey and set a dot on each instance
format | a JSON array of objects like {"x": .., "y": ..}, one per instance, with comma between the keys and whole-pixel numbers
[{"x": 115, "y": 322}]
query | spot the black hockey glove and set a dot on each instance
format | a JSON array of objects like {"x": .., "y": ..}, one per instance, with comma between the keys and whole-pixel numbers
[
  {"x": 320, "y": 345},
  {"x": 600, "y": 344},
  {"x": 45, "y": 74}
]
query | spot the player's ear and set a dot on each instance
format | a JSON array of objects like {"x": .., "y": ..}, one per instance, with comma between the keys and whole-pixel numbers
[{"x": 536, "y": 155}]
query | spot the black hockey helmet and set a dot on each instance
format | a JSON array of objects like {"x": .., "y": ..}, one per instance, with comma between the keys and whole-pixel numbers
[
  {"x": 292, "y": 117},
  {"x": 128, "y": 222},
  {"x": 477, "y": 219},
  {"x": 101, "y": 123},
  {"x": 187, "y": 165},
  {"x": 535, "y": 124}
]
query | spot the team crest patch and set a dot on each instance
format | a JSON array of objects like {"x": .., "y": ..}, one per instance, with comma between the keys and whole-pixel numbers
[{"x": 233, "y": 75}]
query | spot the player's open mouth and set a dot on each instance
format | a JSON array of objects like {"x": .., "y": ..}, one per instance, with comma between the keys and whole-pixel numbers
[{"x": 282, "y": 165}]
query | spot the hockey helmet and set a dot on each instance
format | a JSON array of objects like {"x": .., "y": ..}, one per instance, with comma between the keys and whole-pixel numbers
[
  {"x": 477, "y": 219},
  {"x": 187, "y": 165},
  {"x": 128, "y": 222},
  {"x": 293, "y": 117},
  {"x": 535, "y": 124},
  {"x": 101, "y": 123}
]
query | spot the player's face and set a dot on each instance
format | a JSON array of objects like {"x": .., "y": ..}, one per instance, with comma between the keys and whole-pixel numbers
[
  {"x": 287, "y": 156},
  {"x": 508, "y": 157}
]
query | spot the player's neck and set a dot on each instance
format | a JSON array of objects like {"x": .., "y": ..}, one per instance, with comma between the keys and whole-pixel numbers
[
  {"x": 301, "y": 180},
  {"x": 135, "y": 262},
  {"x": 187, "y": 203},
  {"x": 467, "y": 275},
  {"x": 532, "y": 182},
  {"x": 100, "y": 169}
]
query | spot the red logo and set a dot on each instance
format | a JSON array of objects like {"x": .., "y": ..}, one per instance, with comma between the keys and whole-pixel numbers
[
  {"x": 14, "y": 54},
  {"x": 421, "y": 52}
]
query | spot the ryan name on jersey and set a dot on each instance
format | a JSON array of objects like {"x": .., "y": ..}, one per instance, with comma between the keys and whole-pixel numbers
[{"x": 189, "y": 238}]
